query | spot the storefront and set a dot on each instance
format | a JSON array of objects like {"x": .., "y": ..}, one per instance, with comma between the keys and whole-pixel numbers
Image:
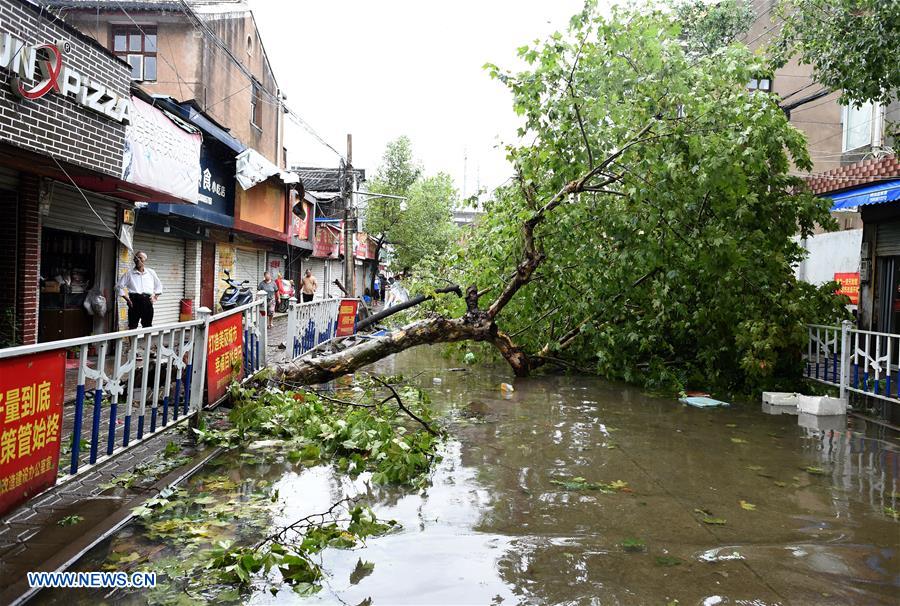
[
  {"x": 78, "y": 259},
  {"x": 879, "y": 266},
  {"x": 54, "y": 249}
]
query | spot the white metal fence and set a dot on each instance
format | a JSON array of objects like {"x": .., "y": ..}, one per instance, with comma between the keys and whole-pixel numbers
[
  {"x": 134, "y": 384},
  {"x": 310, "y": 324},
  {"x": 854, "y": 360}
]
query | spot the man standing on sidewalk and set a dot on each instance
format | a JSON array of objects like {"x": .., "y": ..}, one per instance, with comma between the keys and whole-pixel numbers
[
  {"x": 141, "y": 288},
  {"x": 308, "y": 289}
]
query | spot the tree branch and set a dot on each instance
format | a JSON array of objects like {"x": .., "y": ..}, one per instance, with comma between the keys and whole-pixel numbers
[{"x": 402, "y": 406}]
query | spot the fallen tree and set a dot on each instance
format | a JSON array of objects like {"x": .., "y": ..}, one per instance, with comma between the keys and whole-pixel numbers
[{"x": 648, "y": 233}]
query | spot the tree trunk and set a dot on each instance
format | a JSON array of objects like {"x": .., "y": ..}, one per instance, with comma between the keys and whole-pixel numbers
[{"x": 475, "y": 327}]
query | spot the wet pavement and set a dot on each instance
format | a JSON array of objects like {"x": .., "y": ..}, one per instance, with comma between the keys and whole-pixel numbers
[{"x": 722, "y": 506}]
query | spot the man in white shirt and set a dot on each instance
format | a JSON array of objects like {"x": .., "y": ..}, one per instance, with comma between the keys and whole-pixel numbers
[{"x": 140, "y": 287}]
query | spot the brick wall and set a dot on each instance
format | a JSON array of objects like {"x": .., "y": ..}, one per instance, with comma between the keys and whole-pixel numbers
[
  {"x": 865, "y": 172},
  {"x": 9, "y": 207},
  {"x": 28, "y": 251},
  {"x": 57, "y": 125}
]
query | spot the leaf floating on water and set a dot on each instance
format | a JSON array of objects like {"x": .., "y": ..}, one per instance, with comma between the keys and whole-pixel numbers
[
  {"x": 815, "y": 471},
  {"x": 362, "y": 570},
  {"x": 892, "y": 512},
  {"x": 582, "y": 484},
  {"x": 738, "y": 441},
  {"x": 755, "y": 467},
  {"x": 667, "y": 561},
  {"x": 780, "y": 484},
  {"x": 748, "y": 506},
  {"x": 731, "y": 425},
  {"x": 632, "y": 545},
  {"x": 714, "y": 521},
  {"x": 703, "y": 512},
  {"x": 70, "y": 520}
]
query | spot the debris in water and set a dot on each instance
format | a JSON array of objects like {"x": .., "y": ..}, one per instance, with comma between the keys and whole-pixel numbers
[
  {"x": 738, "y": 440},
  {"x": 713, "y": 555},
  {"x": 437, "y": 380},
  {"x": 702, "y": 402},
  {"x": 507, "y": 388},
  {"x": 633, "y": 545},
  {"x": 747, "y": 506}
]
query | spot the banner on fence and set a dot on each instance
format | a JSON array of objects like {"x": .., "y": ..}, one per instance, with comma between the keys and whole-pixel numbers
[
  {"x": 225, "y": 355},
  {"x": 346, "y": 317},
  {"x": 31, "y": 397},
  {"x": 849, "y": 286}
]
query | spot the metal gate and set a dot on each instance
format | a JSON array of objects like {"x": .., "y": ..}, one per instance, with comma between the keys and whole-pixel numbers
[
  {"x": 166, "y": 257},
  {"x": 887, "y": 239},
  {"x": 249, "y": 265},
  {"x": 9, "y": 179},
  {"x": 70, "y": 212}
]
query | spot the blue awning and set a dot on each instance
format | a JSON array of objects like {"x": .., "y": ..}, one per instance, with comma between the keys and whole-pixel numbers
[{"x": 872, "y": 194}]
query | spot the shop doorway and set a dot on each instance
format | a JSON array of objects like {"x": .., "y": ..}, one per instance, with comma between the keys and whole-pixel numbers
[
  {"x": 889, "y": 299},
  {"x": 72, "y": 265}
]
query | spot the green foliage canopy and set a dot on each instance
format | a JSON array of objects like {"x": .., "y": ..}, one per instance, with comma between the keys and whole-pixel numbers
[
  {"x": 678, "y": 271},
  {"x": 853, "y": 45}
]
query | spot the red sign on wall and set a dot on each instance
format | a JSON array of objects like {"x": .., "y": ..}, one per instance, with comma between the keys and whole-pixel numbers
[
  {"x": 346, "y": 317},
  {"x": 225, "y": 356},
  {"x": 849, "y": 286},
  {"x": 31, "y": 396},
  {"x": 326, "y": 243}
]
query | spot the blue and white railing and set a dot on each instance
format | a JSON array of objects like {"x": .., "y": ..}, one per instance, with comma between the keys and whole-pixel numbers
[
  {"x": 859, "y": 361},
  {"x": 310, "y": 324},
  {"x": 135, "y": 384}
]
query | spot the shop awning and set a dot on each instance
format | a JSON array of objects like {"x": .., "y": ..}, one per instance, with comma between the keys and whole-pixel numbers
[{"x": 861, "y": 196}]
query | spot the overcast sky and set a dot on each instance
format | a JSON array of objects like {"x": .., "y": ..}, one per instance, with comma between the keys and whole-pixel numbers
[{"x": 385, "y": 68}]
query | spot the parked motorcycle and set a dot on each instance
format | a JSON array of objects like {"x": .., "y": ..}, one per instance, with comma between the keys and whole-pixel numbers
[
  {"x": 285, "y": 293},
  {"x": 236, "y": 294}
]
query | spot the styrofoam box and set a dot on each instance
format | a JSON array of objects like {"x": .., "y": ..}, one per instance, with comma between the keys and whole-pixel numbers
[
  {"x": 780, "y": 398},
  {"x": 821, "y": 405}
]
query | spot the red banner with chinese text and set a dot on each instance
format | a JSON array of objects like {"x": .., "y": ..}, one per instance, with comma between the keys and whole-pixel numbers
[
  {"x": 224, "y": 356},
  {"x": 346, "y": 317},
  {"x": 31, "y": 398},
  {"x": 327, "y": 242},
  {"x": 849, "y": 286}
]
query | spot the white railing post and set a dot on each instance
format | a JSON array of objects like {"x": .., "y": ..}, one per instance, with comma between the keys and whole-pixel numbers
[
  {"x": 292, "y": 327},
  {"x": 846, "y": 326},
  {"x": 263, "y": 329},
  {"x": 201, "y": 345}
]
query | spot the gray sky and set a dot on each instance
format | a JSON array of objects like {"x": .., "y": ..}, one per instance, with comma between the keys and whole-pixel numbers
[{"x": 384, "y": 68}]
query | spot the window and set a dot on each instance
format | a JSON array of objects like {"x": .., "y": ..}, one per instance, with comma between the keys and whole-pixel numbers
[
  {"x": 761, "y": 84},
  {"x": 256, "y": 106},
  {"x": 137, "y": 46},
  {"x": 857, "y": 126}
]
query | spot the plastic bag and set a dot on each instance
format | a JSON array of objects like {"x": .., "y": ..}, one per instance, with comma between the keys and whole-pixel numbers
[{"x": 95, "y": 302}]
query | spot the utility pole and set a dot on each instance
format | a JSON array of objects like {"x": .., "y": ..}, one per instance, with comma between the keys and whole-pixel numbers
[{"x": 350, "y": 184}]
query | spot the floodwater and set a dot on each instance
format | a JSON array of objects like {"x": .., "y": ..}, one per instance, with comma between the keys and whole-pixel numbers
[{"x": 799, "y": 515}]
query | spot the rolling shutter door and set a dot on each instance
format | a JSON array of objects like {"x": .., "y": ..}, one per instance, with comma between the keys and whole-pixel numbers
[
  {"x": 317, "y": 267},
  {"x": 249, "y": 265},
  {"x": 335, "y": 272},
  {"x": 9, "y": 179},
  {"x": 166, "y": 257},
  {"x": 887, "y": 242},
  {"x": 70, "y": 212}
]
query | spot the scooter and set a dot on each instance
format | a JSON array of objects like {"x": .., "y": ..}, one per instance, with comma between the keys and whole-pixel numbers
[
  {"x": 236, "y": 294},
  {"x": 285, "y": 293}
]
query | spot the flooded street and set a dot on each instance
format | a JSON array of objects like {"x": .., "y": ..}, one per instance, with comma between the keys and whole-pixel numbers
[{"x": 714, "y": 506}]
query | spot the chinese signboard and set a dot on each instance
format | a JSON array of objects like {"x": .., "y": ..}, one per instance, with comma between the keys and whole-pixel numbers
[
  {"x": 31, "y": 395},
  {"x": 326, "y": 243},
  {"x": 361, "y": 245},
  {"x": 160, "y": 155},
  {"x": 849, "y": 286},
  {"x": 215, "y": 186},
  {"x": 346, "y": 317},
  {"x": 300, "y": 227},
  {"x": 225, "y": 355}
]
